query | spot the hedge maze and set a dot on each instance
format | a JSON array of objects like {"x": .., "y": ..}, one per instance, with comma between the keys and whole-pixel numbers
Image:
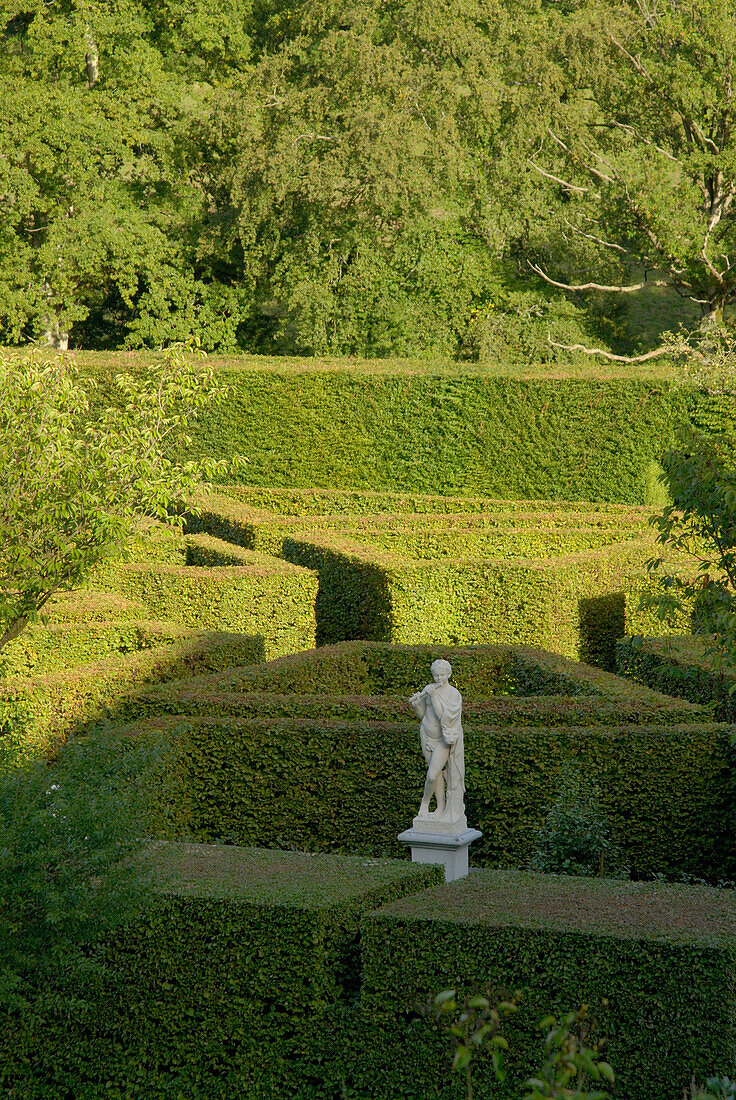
[
  {"x": 292, "y": 946},
  {"x": 564, "y": 577}
]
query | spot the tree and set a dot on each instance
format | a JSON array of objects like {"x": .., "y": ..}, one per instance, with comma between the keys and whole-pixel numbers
[
  {"x": 97, "y": 208},
  {"x": 635, "y": 146},
  {"x": 75, "y": 481}
]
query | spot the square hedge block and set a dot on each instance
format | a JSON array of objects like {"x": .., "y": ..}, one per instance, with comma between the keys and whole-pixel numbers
[{"x": 656, "y": 964}]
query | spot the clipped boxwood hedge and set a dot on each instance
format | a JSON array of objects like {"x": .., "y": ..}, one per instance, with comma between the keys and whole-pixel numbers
[
  {"x": 231, "y": 986},
  {"x": 289, "y": 752},
  {"x": 39, "y": 713},
  {"x": 679, "y": 666},
  {"x": 326, "y": 784},
  {"x": 49, "y": 649},
  {"x": 577, "y": 604},
  {"x": 655, "y": 963},
  {"x": 456, "y": 431},
  {"x": 559, "y": 576},
  {"x": 260, "y": 595}
]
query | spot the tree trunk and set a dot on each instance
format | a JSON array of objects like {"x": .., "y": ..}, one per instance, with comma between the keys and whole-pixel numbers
[
  {"x": 14, "y": 630},
  {"x": 55, "y": 336},
  {"x": 92, "y": 58}
]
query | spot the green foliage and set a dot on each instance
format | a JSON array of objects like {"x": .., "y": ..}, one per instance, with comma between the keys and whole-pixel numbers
[
  {"x": 235, "y": 982},
  {"x": 37, "y": 714},
  {"x": 679, "y": 666},
  {"x": 628, "y": 125},
  {"x": 699, "y": 525},
  {"x": 571, "y": 1064},
  {"x": 473, "y": 1029},
  {"x": 285, "y": 752},
  {"x": 576, "y": 837},
  {"x": 73, "y": 487},
  {"x": 69, "y": 875},
  {"x": 448, "y": 431},
  {"x": 653, "y": 963}
]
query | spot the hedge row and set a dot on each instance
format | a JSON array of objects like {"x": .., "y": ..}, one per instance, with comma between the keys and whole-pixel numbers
[
  {"x": 49, "y": 649},
  {"x": 656, "y": 964},
  {"x": 353, "y": 784},
  {"x": 258, "y": 595},
  {"x": 269, "y": 974},
  {"x": 454, "y": 432},
  {"x": 360, "y": 502},
  {"x": 679, "y": 666},
  {"x": 577, "y": 604},
  {"x": 232, "y": 986},
  {"x": 501, "y": 682},
  {"x": 566, "y": 579},
  {"x": 39, "y": 713}
]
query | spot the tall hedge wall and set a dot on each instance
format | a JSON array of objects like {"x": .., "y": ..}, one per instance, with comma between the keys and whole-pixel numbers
[
  {"x": 353, "y": 784},
  {"x": 656, "y": 964},
  {"x": 577, "y": 604},
  {"x": 679, "y": 666},
  {"x": 232, "y": 986},
  {"x": 455, "y": 432}
]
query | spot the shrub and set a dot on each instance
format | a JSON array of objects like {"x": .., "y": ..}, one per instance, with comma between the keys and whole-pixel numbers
[
  {"x": 679, "y": 666},
  {"x": 232, "y": 984},
  {"x": 575, "y": 838}
]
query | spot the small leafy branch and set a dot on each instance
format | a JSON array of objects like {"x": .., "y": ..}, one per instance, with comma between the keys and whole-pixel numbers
[
  {"x": 571, "y": 1063},
  {"x": 476, "y": 1026}
]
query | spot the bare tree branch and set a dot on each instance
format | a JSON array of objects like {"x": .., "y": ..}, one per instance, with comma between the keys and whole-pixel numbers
[
  {"x": 595, "y": 286},
  {"x": 609, "y": 354},
  {"x": 588, "y": 167},
  {"x": 598, "y": 240},
  {"x": 556, "y": 179}
]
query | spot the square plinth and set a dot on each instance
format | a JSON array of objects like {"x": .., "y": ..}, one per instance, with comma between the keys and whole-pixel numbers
[{"x": 451, "y": 850}]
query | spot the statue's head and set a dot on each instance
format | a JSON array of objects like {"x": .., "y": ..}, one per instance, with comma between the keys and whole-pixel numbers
[{"x": 441, "y": 671}]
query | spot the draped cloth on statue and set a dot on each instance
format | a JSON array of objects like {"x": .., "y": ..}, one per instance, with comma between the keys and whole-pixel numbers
[{"x": 446, "y": 703}]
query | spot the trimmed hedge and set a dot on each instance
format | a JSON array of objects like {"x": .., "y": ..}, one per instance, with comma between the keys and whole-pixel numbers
[
  {"x": 457, "y": 431},
  {"x": 577, "y": 604},
  {"x": 287, "y": 752},
  {"x": 50, "y": 649},
  {"x": 261, "y": 595},
  {"x": 232, "y": 986},
  {"x": 559, "y": 576},
  {"x": 360, "y": 502},
  {"x": 89, "y": 606},
  {"x": 678, "y": 666},
  {"x": 325, "y": 784},
  {"x": 656, "y": 964},
  {"x": 494, "y": 680},
  {"x": 40, "y": 713}
]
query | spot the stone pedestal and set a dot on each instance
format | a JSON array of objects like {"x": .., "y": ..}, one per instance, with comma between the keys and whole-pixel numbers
[{"x": 449, "y": 849}]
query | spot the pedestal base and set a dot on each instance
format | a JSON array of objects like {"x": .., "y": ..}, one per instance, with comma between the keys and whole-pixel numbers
[{"x": 451, "y": 850}]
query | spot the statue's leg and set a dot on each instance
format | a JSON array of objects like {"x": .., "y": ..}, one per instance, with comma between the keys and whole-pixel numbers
[{"x": 435, "y": 783}]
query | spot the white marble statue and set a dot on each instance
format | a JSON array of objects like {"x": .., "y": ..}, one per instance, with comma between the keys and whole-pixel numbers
[{"x": 439, "y": 705}]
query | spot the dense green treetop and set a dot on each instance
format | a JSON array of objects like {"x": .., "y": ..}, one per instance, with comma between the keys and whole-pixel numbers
[{"x": 363, "y": 178}]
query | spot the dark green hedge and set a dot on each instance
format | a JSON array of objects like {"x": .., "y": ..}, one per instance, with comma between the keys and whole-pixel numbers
[
  {"x": 678, "y": 666},
  {"x": 353, "y": 784},
  {"x": 262, "y": 595},
  {"x": 40, "y": 712},
  {"x": 453, "y": 432},
  {"x": 504, "y": 683},
  {"x": 656, "y": 964},
  {"x": 232, "y": 986}
]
